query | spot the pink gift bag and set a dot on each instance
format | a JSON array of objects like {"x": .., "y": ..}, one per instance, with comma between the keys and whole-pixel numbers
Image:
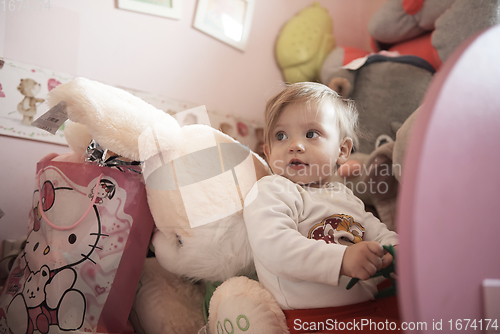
[{"x": 89, "y": 229}]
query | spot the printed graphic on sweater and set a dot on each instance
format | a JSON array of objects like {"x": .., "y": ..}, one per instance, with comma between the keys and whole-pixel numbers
[{"x": 338, "y": 229}]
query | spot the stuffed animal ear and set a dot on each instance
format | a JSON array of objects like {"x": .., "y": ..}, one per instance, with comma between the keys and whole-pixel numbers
[
  {"x": 343, "y": 82},
  {"x": 115, "y": 118},
  {"x": 341, "y": 85},
  {"x": 337, "y": 71}
]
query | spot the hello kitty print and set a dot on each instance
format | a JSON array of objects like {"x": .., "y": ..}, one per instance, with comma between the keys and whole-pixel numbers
[{"x": 77, "y": 235}]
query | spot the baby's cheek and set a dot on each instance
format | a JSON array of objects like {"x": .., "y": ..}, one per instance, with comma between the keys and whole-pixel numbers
[{"x": 277, "y": 166}]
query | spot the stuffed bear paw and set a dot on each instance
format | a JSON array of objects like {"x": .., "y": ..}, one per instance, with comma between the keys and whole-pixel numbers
[{"x": 242, "y": 305}]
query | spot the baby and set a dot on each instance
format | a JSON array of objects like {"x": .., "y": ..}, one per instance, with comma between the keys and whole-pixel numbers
[{"x": 309, "y": 235}]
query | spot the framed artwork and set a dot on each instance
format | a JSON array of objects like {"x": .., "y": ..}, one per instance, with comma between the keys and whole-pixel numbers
[
  {"x": 165, "y": 8},
  {"x": 226, "y": 20},
  {"x": 24, "y": 89},
  {"x": 23, "y": 93}
]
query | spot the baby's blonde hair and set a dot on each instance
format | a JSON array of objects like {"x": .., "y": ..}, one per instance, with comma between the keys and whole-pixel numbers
[{"x": 307, "y": 92}]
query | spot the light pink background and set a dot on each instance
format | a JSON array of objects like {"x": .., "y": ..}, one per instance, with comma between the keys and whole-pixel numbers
[{"x": 93, "y": 38}]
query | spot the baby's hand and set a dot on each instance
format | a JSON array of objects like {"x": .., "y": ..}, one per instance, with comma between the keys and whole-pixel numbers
[
  {"x": 387, "y": 258},
  {"x": 363, "y": 259}
]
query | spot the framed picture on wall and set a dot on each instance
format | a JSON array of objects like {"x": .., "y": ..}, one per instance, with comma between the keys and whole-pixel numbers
[
  {"x": 226, "y": 20},
  {"x": 165, "y": 8},
  {"x": 23, "y": 99}
]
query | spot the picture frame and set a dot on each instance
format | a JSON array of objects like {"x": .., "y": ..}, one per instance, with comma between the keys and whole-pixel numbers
[
  {"x": 15, "y": 75},
  {"x": 164, "y": 8},
  {"x": 226, "y": 20}
]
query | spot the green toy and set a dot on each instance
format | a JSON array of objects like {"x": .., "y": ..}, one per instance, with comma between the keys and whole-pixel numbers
[{"x": 386, "y": 272}]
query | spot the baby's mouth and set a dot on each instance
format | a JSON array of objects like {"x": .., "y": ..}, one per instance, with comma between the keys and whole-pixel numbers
[{"x": 296, "y": 163}]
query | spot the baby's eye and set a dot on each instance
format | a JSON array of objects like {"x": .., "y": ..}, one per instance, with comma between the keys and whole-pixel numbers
[
  {"x": 281, "y": 136},
  {"x": 311, "y": 134}
]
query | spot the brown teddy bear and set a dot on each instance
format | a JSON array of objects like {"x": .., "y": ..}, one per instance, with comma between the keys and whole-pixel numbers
[{"x": 27, "y": 107}]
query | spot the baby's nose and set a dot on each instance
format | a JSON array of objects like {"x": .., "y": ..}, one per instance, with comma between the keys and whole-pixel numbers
[{"x": 296, "y": 146}]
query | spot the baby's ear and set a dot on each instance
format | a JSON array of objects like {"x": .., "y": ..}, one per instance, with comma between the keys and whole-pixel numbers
[
  {"x": 345, "y": 151},
  {"x": 267, "y": 151}
]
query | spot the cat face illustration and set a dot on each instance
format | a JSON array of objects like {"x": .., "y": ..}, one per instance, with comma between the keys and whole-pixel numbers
[
  {"x": 58, "y": 246},
  {"x": 105, "y": 189}
]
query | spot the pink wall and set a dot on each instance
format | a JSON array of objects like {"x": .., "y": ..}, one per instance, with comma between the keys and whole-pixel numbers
[{"x": 93, "y": 38}]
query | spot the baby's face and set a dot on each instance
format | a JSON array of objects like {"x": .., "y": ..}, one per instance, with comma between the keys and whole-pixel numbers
[{"x": 305, "y": 143}]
